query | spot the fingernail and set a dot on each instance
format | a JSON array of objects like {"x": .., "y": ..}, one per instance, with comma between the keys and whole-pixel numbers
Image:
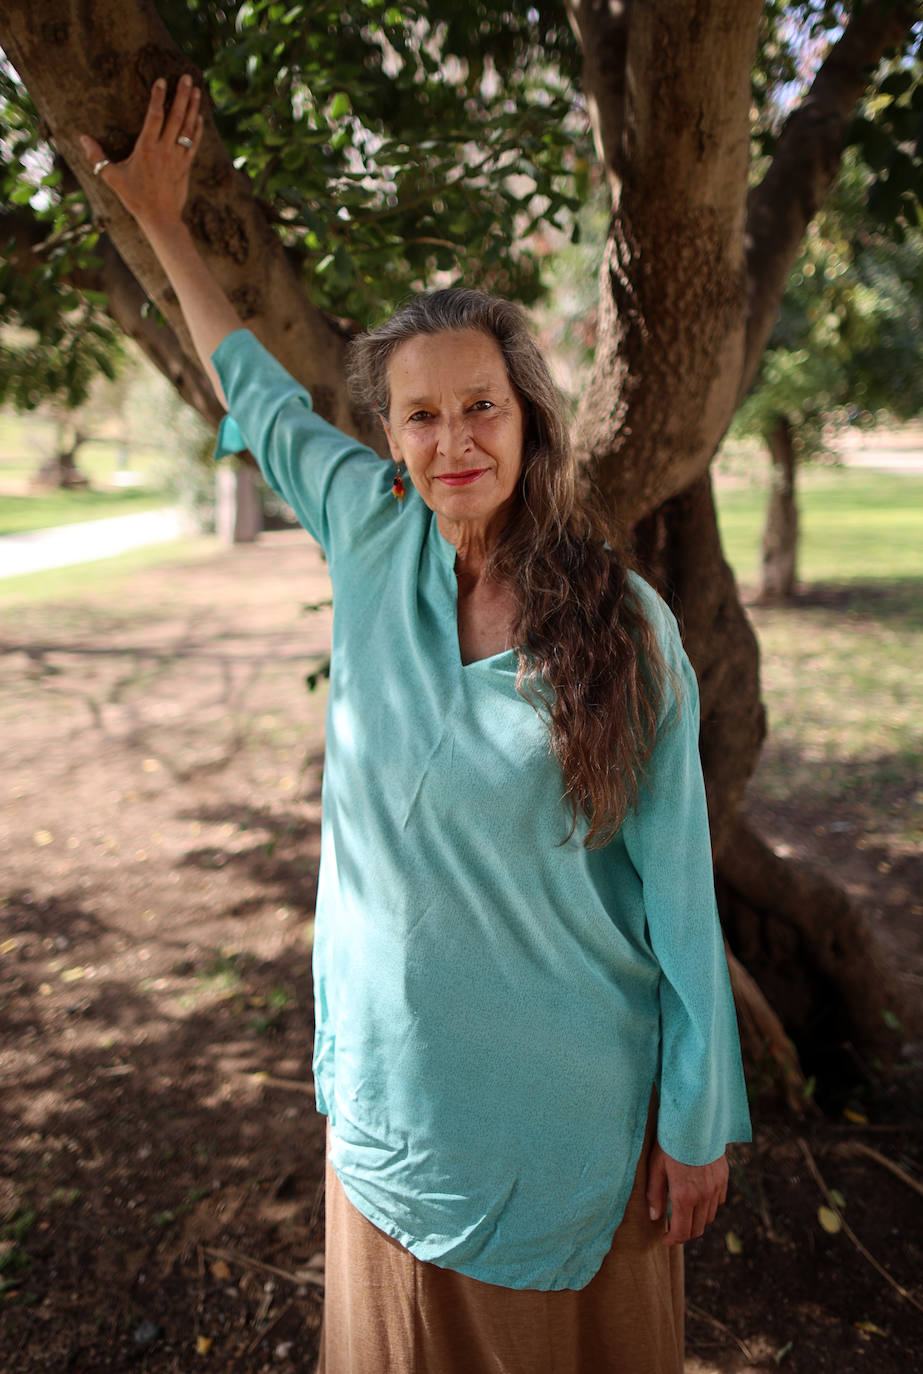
[
  {"x": 185, "y": 80},
  {"x": 160, "y": 84},
  {"x": 654, "y": 1213}
]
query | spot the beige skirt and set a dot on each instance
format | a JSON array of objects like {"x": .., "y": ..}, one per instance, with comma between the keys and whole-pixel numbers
[{"x": 389, "y": 1313}]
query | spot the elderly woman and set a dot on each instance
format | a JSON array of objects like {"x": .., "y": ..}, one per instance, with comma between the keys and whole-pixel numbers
[{"x": 525, "y": 1040}]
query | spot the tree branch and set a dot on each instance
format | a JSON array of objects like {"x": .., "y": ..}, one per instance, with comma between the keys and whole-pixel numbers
[
  {"x": 127, "y": 306},
  {"x": 806, "y": 161},
  {"x": 94, "y": 74},
  {"x": 836, "y": 935},
  {"x": 673, "y": 109},
  {"x": 602, "y": 32}
]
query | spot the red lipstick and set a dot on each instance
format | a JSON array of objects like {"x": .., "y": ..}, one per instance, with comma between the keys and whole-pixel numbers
[{"x": 460, "y": 479}]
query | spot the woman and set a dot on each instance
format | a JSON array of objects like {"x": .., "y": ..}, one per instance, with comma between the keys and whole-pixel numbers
[{"x": 525, "y": 1038}]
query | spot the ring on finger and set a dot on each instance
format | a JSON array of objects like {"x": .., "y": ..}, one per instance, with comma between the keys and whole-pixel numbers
[
  {"x": 98, "y": 166},
  {"x": 184, "y": 141}
]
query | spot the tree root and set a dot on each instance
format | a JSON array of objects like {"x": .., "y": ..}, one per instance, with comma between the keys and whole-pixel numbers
[
  {"x": 763, "y": 1036},
  {"x": 833, "y": 933}
]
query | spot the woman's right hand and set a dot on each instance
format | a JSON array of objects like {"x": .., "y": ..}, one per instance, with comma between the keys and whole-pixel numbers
[{"x": 152, "y": 183}]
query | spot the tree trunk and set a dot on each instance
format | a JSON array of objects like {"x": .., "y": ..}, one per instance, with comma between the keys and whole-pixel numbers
[
  {"x": 780, "y": 533},
  {"x": 686, "y": 306},
  {"x": 60, "y": 471},
  {"x": 238, "y": 511}
]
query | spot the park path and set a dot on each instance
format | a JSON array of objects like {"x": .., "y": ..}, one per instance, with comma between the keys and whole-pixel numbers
[{"x": 61, "y": 545}]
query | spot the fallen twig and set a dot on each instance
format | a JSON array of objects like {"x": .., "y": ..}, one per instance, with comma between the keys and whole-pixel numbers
[
  {"x": 720, "y": 1326},
  {"x": 850, "y": 1147},
  {"x": 831, "y": 1203},
  {"x": 245, "y": 1262},
  {"x": 268, "y": 1329},
  {"x": 270, "y": 1080}
]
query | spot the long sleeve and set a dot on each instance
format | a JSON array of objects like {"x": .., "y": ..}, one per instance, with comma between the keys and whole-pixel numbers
[
  {"x": 301, "y": 456},
  {"x": 703, "y": 1102}
]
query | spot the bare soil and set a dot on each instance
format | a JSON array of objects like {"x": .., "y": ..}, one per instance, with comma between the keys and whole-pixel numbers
[{"x": 160, "y": 1158}]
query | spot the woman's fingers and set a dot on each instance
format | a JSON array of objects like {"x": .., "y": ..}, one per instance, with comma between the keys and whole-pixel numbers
[
  {"x": 186, "y": 96},
  {"x": 153, "y": 120},
  {"x": 186, "y": 138},
  {"x": 696, "y": 1192},
  {"x": 656, "y": 1183},
  {"x": 91, "y": 150},
  {"x": 153, "y": 180}
]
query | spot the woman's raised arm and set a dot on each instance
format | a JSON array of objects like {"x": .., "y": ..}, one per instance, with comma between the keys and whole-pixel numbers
[{"x": 152, "y": 184}]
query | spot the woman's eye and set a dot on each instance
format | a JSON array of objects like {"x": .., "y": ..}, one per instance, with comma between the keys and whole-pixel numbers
[
  {"x": 418, "y": 415},
  {"x": 483, "y": 405}
]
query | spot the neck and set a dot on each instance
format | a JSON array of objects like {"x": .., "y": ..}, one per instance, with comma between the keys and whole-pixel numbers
[{"x": 473, "y": 545}]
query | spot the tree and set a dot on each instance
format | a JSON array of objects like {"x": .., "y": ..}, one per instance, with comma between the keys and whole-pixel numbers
[
  {"x": 847, "y": 348},
  {"x": 380, "y": 147},
  {"x": 694, "y": 271},
  {"x": 696, "y": 263}
]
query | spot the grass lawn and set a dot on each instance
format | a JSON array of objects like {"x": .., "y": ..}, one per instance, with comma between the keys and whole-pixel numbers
[
  {"x": 840, "y": 666},
  {"x": 21, "y": 513},
  {"x": 856, "y": 525}
]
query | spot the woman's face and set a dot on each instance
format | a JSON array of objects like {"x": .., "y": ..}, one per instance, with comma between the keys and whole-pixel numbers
[{"x": 457, "y": 423}]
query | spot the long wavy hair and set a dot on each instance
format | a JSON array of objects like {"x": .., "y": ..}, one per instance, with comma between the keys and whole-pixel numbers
[{"x": 589, "y": 661}]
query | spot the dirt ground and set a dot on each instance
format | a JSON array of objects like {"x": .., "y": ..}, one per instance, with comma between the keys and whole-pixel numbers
[{"x": 160, "y": 1158}]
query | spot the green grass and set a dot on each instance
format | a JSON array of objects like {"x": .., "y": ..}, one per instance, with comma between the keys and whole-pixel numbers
[
  {"x": 839, "y": 679},
  {"x": 856, "y": 526},
  {"x": 21, "y": 513},
  {"x": 104, "y": 575},
  {"x": 840, "y": 665}
]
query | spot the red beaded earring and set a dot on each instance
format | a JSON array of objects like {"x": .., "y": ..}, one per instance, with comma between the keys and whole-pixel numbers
[{"x": 397, "y": 486}]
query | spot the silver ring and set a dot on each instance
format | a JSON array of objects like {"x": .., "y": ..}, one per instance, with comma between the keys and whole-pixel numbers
[
  {"x": 98, "y": 166},
  {"x": 184, "y": 141}
]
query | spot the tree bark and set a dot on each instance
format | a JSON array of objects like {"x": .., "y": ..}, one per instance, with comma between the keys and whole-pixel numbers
[
  {"x": 60, "y": 471},
  {"x": 780, "y": 533},
  {"x": 806, "y": 162},
  {"x": 670, "y": 86}
]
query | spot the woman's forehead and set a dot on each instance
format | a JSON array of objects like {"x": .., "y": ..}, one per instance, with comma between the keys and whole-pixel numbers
[{"x": 456, "y": 358}]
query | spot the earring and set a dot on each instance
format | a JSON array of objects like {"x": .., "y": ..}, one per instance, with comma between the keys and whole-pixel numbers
[{"x": 397, "y": 486}]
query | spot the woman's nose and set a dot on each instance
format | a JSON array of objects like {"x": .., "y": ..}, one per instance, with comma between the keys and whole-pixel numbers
[{"x": 454, "y": 436}]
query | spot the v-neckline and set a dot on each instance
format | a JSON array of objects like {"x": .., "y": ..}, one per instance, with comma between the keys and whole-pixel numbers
[{"x": 448, "y": 553}]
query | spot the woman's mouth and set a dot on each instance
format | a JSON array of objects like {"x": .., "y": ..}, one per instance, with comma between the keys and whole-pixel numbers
[{"x": 460, "y": 479}]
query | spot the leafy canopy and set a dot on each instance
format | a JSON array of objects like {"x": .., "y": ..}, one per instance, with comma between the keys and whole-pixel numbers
[
  {"x": 390, "y": 146},
  {"x": 849, "y": 339},
  {"x": 394, "y": 147}
]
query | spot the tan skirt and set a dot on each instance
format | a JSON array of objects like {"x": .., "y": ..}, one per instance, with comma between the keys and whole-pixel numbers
[{"x": 389, "y": 1313}]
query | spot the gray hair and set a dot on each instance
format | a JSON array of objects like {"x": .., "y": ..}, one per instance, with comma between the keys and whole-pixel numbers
[
  {"x": 588, "y": 659},
  {"x": 548, "y": 480}
]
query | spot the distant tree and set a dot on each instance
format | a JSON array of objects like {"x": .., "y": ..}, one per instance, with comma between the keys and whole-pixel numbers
[{"x": 846, "y": 349}]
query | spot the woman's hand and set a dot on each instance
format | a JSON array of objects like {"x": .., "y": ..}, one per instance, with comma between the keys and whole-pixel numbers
[
  {"x": 153, "y": 181},
  {"x": 696, "y": 1192},
  {"x": 152, "y": 184}
]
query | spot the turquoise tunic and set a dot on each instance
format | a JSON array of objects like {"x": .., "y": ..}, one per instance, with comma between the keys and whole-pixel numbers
[{"x": 493, "y": 1001}]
